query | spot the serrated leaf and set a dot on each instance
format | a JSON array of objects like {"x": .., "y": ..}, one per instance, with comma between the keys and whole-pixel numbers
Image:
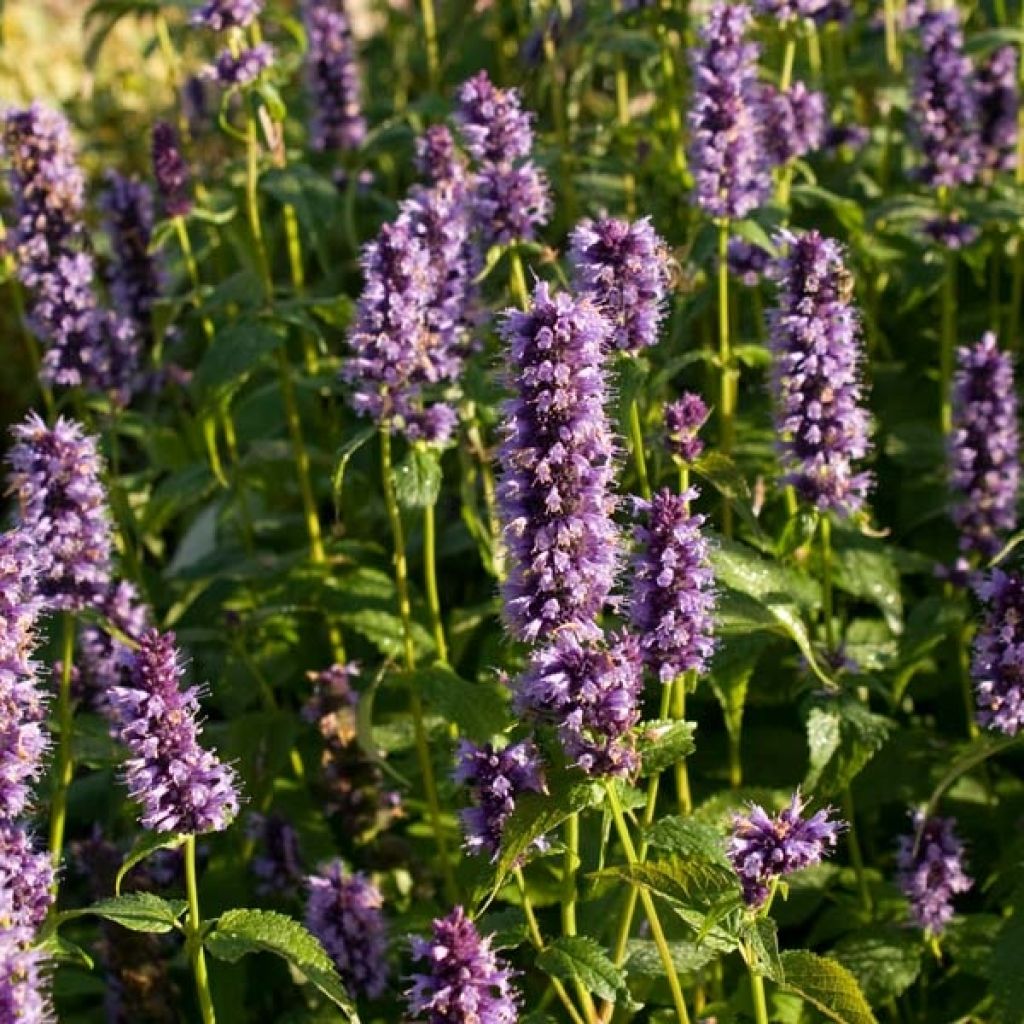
[
  {"x": 145, "y": 847},
  {"x": 692, "y": 885},
  {"x": 242, "y": 931},
  {"x": 644, "y": 960},
  {"x": 761, "y": 940},
  {"x": 385, "y": 629},
  {"x": 731, "y": 670},
  {"x": 842, "y": 736},
  {"x": 418, "y": 477},
  {"x": 885, "y": 960},
  {"x": 864, "y": 567},
  {"x": 581, "y": 960},
  {"x": 62, "y": 950},
  {"x": 235, "y": 353},
  {"x": 663, "y": 743},
  {"x": 478, "y": 709},
  {"x": 826, "y": 985},
  {"x": 136, "y": 911},
  {"x": 688, "y": 838}
]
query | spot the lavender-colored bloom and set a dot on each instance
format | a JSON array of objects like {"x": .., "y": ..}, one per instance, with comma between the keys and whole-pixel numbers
[
  {"x": 785, "y": 11},
  {"x": 683, "y": 421},
  {"x": 931, "y": 871},
  {"x": 983, "y": 448},
  {"x": 236, "y": 70},
  {"x": 623, "y": 269},
  {"x": 24, "y": 989},
  {"x": 23, "y": 740},
  {"x": 26, "y": 876},
  {"x": 436, "y": 156},
  {"x": 134, "y": 271},
  {"x": 344, "y": 912},
  {"x": 511, "y": 202},
  {"x": 332, "y": 77},
  {"x": 997, "y": 667},
  {"x": 497, "y": 779},
  {"x": 56, "y": 477},
  {"x": 945, "y": 105},
  {"x": 492, "y": 122},
  {"x": 949, "y": 231},
  {"x": 998, "y": 105},
  {"x": 763, "y": 847},
  {"x": 396, "y": 354},
  {"x": 278, "y": 864},
  {"x": 748, "y": 262},
  {"x": 220, "y": 15},
  {"x": 173, "y": 179},
  {"x": 590, "y": 690},
  {"x": 840, "y": 137},
  {"x": 84, "y": 345},
  {"x": 557, "y": 461},
  {"x": 821, "y": 424},
  {"x": 672, "y": 596},
  {"x": 103, "y": 661},
  {"x": 729, "y": 166},
  {"x": 465, "y": 982},
  {"x": 793, "y": 122},
  {"x": 181, "y": 786}
]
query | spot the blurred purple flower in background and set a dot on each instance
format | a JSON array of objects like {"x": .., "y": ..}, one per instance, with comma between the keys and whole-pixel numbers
[
  {"x": 931, "y": 871},
  {"x": 997, "y": 667},
  {"x": 332, "y": 77}
]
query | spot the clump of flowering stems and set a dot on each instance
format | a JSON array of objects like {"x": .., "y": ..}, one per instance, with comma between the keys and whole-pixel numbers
[
  {"x": 999, "y": 108},
  {"x": 997, "y": 666},
  {"x": 332, "y": 77},
  {"x": 930, "y": 863},
  {"x": 729, "y": 167}
]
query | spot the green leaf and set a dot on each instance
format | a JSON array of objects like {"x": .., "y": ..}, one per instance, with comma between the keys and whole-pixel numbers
[
  {"x": 643, "y": 958},
  {"x": 478, "y": 709},
  {"x": 137, "y": 911},
  {"x": 731, "y": 670},
  {"x": 233, "y": 356},
  {"x": 1006, "y": 972},
  {"x": 688, "y": 838},
  {"x": 418, "y": 477},
  {"x": 385, "y": 630},
  {"x": 826, "y": 985},
  {"x": 579, "y": 959},
  {"x": 345, "y": 453},
  {"x": 864, "y": 567},
  {"x": 663, "y": 743},
  {"x": 241, "y": 931},
  {"x": 147, "y": 845},
  {"x": 691, "y": 885},
  {"x": 843, "y": 736},
  {"x": 723, "y": 474},
  {"x": 63, "y": 950},
  {"x": 761, "y": 940},
  {"x": 885, "y": 960}
]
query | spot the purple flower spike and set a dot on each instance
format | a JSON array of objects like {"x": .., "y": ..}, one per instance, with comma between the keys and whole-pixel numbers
[
  {"x": 181, "y": 786},
  {"x": 983, "y": 448},
  {"x": 672, "y": 596},
  {"x": 748, "y": 263},
  {"x": 26, "y": 876},
  {"x": 465, "y": 981},
  {"x": 557, "y": 460},
  {"x": 511, "y": 202},
  {"x": 945, "y": 106},
  {"x": 683, "y": 421},
  {"x": 220, "y": 15},
  {"x": 949, "y": 231},
  {"x": 497, "y": 779},
  {"x": 785, "y": 11},
  {"x": 729, "y": 167},
  {"x": 590, "y": 690},
  {"x": 103, "y": 660},
  {"x": 332, "y": 77},
  {"x": 999, "y": 102},
  {"x": 237, "y": 70},
  {"x": 998, "y": 663},
  {"x": 623, "y": 269},
  {"x": 436, "y": 156},
  {"x": 794, "y": 122},
  {"x": 173, "y": 179},
  {"x": 764, "y": 848},
  {"x": 492, "y": 122},
  {"x": 278, "y": 865},
  {"x": 821, "y": 424},
  {"x": 931, "y": 871},
  {"x": 134, "y": 272},
  {"x": 344, "y": 912},
  {"x": 24, "y": 990},
  {"x": 56, "y": 476}
]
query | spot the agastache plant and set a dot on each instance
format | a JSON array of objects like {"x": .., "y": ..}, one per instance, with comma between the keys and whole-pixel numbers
[
  {"x": 221, "y": 15},
  {"x": 683, "y": 421},
  {"x": 24, "y": 990},
  {"x": 998, "y": 87},
  {"x": 997, "y": 667},
  {"x": 930, "y": 862},
  {"x": 171, "y": 171},
  {"x": 332, "y": 77},
  {"x": 794, "y": 122}
]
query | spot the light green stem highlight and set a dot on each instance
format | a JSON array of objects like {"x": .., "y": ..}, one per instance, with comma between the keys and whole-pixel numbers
[
  {"x": 194, "y": 927},
  {"x": 64, "y": 767},
  {"x": 727, "y": 384},
  {"x": 636, "y": 433},
  {"x": 430, "y": 580}
]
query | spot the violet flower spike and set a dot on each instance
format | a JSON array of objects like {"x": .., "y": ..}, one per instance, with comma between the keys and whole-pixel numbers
[
  {"x": 672, "y": 597},
  {"x": 997, "y": 665},
  {"x": 233, "y": 70},
  {"x": 104, "y": 661},
  {"x": 820, "y": 421},
  {"x": 684, "y": 419},
  {"x": 931, "y": 871},
  {"x": 332, "y": 77},
  {"x": 181, "y": 786},
  {"x": 278, "y": 863},
  {"x": 492, "y": 122},
  {"x": 344, "y": 911},
  {"x": 26, "y": 879},
  {"x": 24, "y": 985},
  {"x": 221, "y": 15},
  {"x": 496, "y": 778},
  {"x": 56, "y": 476},
  {"x": 748, "y": 263},
  {"x": 793, "y": 122},
  {"x": 999, "y": 103},
  {"x": 983, "y": 447},
  {"x": 764, "y": 848},
  {"x": 786, "y": 11},
  {"x": 726, "y": 148},
  {"x": 464, "y": 981},
  {"x": 557, "y": 460},
  {"x": 623, "y": 269},
  {"x": 171, "y": 171}
]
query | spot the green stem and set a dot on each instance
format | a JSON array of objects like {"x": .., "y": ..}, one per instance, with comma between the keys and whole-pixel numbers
[
  {"x": 192, "y": 269},
  {"x": 570, "y": 869},
  {"x": 735, "y": 761},
  {"x": 826, "y": 583},
  {"x": 856, "y": 854},
  {"x": 636, "y": 433},
  {"x": 298, "y": 275},
  {"x": 948, "y": 341},
  {"x": 65, "y": 768},
  {"x": 430, "y": 580},
  {"x": 788, "y": 59},
  {"x": 430, "y": 37},
  {"x": 651, "y": 912},
  {"x": 252, "y": 203},
  {"x": 892, "y": 47},
  {"x": 405, "y": 612},
  {"x": 963, "y": 660},
  {"x": 760, "y": 1001},
  {"x": 517, "y": 280},
  {"x": 727, "y": 384},
  {"x": 682, "y": 772},
  {"x": 558, "y": 116},
  {"x": 194, "y": 932}
]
